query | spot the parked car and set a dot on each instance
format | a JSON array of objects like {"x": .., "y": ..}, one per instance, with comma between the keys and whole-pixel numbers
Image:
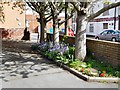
[{"x": 113, "y": 35}]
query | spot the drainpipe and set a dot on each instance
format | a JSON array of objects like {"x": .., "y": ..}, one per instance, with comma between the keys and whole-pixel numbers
[
  {"x": 119, "y": 18},
  {"x": 115, "y": 18},
  {"x": 119, "y": 22},
  {"x": 66, "y": 16}
]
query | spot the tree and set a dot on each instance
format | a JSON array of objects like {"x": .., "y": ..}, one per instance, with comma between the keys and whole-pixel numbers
[
  {"x": 56, "y": 9},
  {"x": 69, "y": 12},
  {"x": 66, "y": 15},
  {"x": 83, "y": 16},
  {"x": 42, "y": 9},
  {"x": 46, "y": 12}
]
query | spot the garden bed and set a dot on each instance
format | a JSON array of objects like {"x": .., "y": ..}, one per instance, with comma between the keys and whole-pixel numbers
[{"x": 90, "y": 70}]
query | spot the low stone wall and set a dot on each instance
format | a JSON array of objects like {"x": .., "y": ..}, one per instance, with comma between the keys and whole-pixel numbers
[{"x": 70, "y": 40}]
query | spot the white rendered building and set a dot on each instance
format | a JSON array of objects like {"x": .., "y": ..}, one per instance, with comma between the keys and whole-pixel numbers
[{"x": 108, "y": 20}]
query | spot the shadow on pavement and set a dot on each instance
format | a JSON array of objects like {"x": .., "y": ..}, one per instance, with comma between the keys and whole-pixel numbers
[{"x": 16, "y": 65}]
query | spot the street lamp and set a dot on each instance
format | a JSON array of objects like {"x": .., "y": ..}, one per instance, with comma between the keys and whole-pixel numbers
[
  {"x": 115, "y": 18},
  {"x": 119, "y": 18}
]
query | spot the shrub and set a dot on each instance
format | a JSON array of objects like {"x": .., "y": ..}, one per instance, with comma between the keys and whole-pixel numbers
[{"x": 66, "y": 54}]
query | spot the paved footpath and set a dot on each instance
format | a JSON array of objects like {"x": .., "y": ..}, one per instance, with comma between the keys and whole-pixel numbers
[{"x": 25, "y": 70}]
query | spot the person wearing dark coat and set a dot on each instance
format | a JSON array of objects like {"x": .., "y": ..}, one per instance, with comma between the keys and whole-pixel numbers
[{"x": 26, "y": 35}]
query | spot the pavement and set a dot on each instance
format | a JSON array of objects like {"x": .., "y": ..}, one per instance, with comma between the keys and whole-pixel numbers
[{"x": 27, "y": 70}]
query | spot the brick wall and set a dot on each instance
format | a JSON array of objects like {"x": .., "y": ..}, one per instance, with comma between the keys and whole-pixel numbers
[
  {"x": 33, "y": 24},
  {"x": 106, "y": 51},
  {"x": 13, "y": 33}
]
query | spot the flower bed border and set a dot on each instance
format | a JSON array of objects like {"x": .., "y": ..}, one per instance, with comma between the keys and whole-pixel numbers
[{"x": 82, "y": 76}]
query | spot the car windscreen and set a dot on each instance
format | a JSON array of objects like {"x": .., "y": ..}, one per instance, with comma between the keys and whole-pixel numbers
[{"x": 117, "y": 31}]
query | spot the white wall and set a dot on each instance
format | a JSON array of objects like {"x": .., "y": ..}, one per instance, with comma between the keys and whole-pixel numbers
[
  {"x": 98, "y": 26},
  {"x": 99, "y": 5}
]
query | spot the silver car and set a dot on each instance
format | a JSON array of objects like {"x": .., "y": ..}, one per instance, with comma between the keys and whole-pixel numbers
[{"x": 113, "y": 35}]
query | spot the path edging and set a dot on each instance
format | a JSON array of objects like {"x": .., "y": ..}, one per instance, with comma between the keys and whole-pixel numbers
[{"x": 89, "y": 78}]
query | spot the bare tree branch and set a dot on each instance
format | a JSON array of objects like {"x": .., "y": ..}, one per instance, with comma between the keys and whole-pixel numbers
[
  {"x": 77, "y": 9},
  {"x": 49, "y": 19},
  {"x": 103, "y": 10},
  {"x": 65, "y": 20},
  {"x": 32, "y": 6}
]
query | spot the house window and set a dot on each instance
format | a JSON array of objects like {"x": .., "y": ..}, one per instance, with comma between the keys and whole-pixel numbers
[
  {"x": 106, "y": 12},
  {"x": 91, "y": 29},
  {"x": 105, "y": 25}
]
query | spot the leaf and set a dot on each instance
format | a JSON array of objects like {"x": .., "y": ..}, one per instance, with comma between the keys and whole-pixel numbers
[{"x": 83, "y": 65}]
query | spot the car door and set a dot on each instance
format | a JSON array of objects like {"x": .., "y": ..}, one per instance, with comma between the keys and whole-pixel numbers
[
  {"x": 103, "y": 35},
  {"x": 109, "y": 35}
]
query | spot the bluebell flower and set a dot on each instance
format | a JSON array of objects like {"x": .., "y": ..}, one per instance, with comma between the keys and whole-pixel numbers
[{"x": 64, "y": 49}]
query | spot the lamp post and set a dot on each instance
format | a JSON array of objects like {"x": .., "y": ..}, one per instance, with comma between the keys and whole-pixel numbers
[
  {"x": 115, "y": 18},
  {"x": 118, "y": 18},
  {"x": 66, "y": 16}
]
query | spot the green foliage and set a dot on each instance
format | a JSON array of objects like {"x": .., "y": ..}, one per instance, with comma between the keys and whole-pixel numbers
[
  {"x": 70, "y": 53},
  {"x": 51, "y": 55},
  {"x": 102, "y": 66},
  {"x": 71, "y": 50},
  {"x": 87, "y": 67},
  {"x": 75, "y": 63},
  {"x": 107, "y": 2},
  {"x": 64, "y": 38},
  {"x": 34, "y": 47}
]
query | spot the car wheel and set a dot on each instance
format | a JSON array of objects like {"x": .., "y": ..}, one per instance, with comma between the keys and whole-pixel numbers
[
  {"x": 113, "y": 39},
  {"x": 97, "y": 38}
]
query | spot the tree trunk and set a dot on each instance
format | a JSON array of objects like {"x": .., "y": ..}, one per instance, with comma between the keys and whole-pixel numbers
[
  {"x": 66, "y": 16},
  {"x": 42, "y": 33},
  {"x": 55, "y": 31},
  {"x": 56, "y": 34},
  {"x": 80, "y": 39}
]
